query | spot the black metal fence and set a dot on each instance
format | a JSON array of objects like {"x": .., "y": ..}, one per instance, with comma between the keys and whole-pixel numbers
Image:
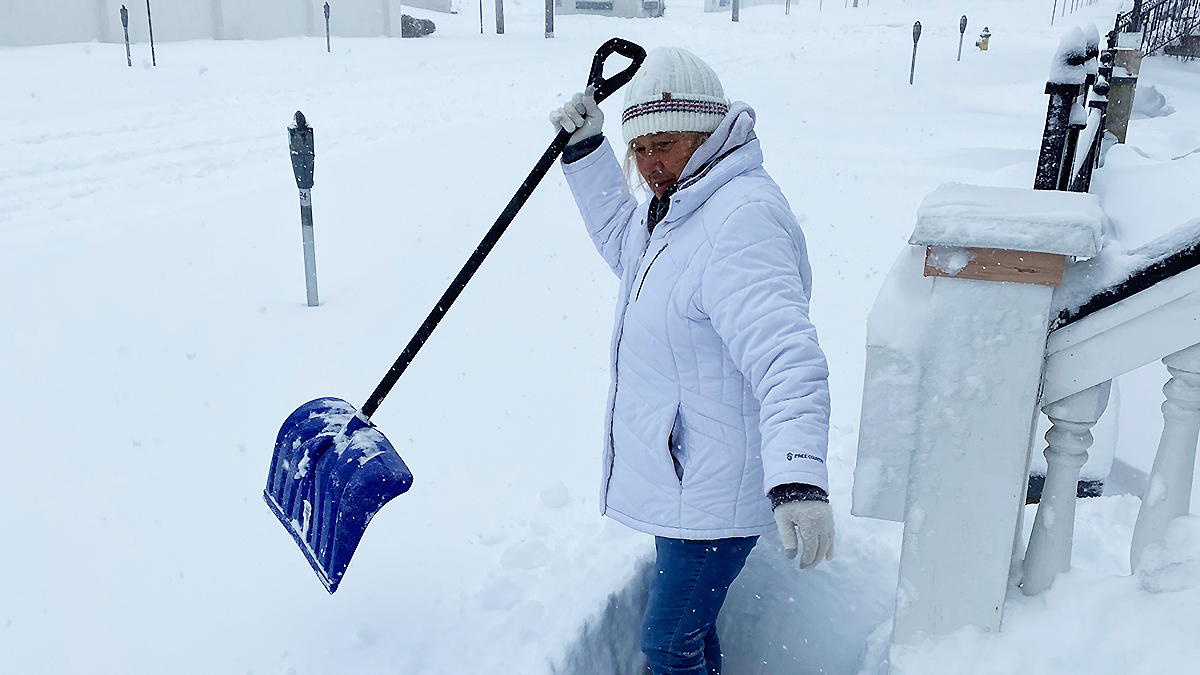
[
  {"x": 1160, "y": 22},
  {"x": 1070, "y": 5}
]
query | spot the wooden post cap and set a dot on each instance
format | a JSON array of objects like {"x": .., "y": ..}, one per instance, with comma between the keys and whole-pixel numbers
[{"x": 995, "y": 264}]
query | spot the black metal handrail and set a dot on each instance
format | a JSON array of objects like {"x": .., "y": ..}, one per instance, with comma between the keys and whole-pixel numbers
[
  {"x": 1181, "y": 255},
  {"x": 1161, "y": 22},
  {"x": 1075, "y": 117}
]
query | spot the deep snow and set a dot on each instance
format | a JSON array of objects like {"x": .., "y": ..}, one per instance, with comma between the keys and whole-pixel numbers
[{"x": 153, "y": 336}]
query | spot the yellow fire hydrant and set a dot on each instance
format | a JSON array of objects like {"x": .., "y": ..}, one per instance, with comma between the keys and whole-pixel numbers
[{"x": 982, "y": 42}]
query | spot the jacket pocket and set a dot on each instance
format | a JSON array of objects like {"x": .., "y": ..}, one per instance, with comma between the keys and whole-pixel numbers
[
  {"x": 675, "y": 445},
  {"x": 647, "y": 272}
]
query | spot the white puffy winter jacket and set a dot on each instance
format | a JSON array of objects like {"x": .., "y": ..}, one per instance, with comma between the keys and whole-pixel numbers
[{"x": 712, "y": 349}]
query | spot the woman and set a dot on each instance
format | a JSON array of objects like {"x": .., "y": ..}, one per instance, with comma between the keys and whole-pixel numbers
[{"x": 718, "y": 411}]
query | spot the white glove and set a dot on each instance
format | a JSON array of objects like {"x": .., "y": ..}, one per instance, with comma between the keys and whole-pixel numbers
[
  {"x": 580, "y": 115},
  {"x": 814, "y": 519}
]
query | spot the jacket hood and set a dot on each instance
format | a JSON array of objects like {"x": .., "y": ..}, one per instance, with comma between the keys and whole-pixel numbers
[
  {"x": 736, "y": 129},
  {"x": 731, "y": 150}
]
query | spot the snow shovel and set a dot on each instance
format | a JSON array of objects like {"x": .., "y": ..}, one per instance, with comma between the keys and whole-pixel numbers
[{"x": 332, "y": 470}]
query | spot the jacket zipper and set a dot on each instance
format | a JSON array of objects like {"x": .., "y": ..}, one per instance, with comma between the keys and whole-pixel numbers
[
  {"x": 612, "y": 443},
  {"x": 612, "y": 413}
]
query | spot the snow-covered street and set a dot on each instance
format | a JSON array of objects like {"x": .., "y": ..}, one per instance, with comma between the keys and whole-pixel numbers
[{"x": 154, "y": 335}]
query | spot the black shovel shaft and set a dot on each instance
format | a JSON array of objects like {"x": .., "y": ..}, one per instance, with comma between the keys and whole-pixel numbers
[{"x": 604, "y": 87}]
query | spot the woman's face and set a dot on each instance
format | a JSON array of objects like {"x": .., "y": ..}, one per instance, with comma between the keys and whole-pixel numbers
[{"x": 661, "y": 157}]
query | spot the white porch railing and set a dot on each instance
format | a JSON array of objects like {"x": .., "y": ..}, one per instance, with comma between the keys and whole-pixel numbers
[
  {"x": 959, "y": 360},
  {"x": 1157, "y": 318},
  {"x": 956, "y": 348}
]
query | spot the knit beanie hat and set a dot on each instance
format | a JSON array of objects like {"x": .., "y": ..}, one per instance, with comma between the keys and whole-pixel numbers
[{"x": 673, "y": 91}]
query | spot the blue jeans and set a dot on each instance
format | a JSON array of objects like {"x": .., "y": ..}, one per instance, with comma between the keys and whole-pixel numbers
[{"x": 691, "y": 579}]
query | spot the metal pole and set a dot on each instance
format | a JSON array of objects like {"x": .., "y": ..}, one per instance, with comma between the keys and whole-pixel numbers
[
  {"x": 328, "y": 49},
  {"x": 125, "y": 25},
  {"x": 302, "y": 149},
  {"x": 787, "y": 8},
  {"x": 150, "y": 23},
  {"x": 916, "y": 36},
  {"x": 549, "y": 18},
  {"x": 736, "y": 6},
  {"x": 499, "y": 17},
  {"x": 962, "y": 31},
  {"x": 310, "y": 250},
  {"x": 481, "y": 17}
]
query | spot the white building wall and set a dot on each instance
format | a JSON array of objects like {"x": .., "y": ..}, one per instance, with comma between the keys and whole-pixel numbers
[
  {"x": 31, "y": 23},
  {"x": 356, "y": 18},
  {"x": 37, "y": 22},
  {"x": 263, "y": 19},
  {"x": 727, "y": 5},
  {"x": 173, "y": 20},
  {"x": 628, "y": 9}
]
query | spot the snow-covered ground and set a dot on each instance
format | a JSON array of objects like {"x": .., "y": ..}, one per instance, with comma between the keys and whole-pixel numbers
[{"x": 153, "y": 337}]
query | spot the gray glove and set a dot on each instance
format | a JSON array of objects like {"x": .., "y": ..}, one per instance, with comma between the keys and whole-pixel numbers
[
  {"x": 580, "y": 115},
  {"x": 814, "y": 519}
]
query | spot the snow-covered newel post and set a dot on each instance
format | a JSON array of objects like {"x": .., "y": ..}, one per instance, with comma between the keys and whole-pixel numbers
[
  {"x": 955, "y": 344},
  {"x": 300, "y": 143},
  {"x": 1170, "y": 491}
]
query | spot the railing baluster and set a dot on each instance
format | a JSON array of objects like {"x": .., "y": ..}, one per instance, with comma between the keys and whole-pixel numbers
[
  {"x": 1170, "y": 491},
  {"x": 1049, "y": 549}
]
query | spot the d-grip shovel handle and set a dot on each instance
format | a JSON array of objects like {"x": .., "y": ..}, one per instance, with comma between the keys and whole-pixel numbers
[{"x": 604, "y": 88}]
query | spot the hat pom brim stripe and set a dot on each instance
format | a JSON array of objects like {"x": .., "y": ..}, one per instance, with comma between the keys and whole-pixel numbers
[{"x": 671, "y": 115}]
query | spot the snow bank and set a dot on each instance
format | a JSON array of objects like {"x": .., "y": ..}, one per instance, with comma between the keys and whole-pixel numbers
[
  {"x": 1093, "y": 620},
  {"x": 896, "y": 329},
  {"x": 1113, "y": 266}
]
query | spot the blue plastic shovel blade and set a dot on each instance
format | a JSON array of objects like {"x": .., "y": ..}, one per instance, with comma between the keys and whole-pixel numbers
[{"x": 332, "y": 470}]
